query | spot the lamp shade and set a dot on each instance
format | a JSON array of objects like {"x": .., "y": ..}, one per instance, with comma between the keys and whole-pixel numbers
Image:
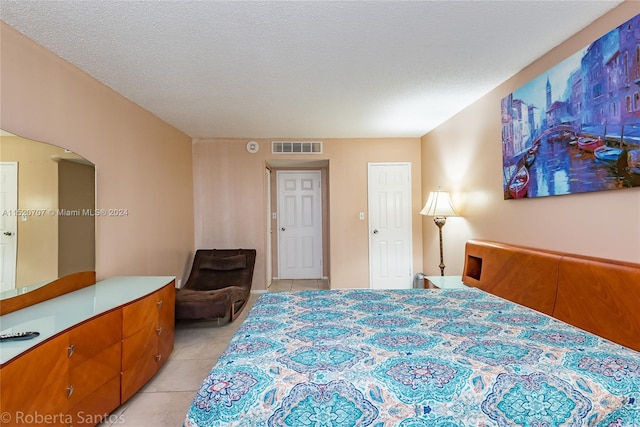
[{"x": 439, "y": 204}]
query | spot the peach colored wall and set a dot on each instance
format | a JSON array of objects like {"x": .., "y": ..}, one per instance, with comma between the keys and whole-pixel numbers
[
  {"x": 142, "y": 164},
  {"x": 230, "y": 199},
  {"x": 464, "y": 154},
  {"x": 348, "y": 196}
]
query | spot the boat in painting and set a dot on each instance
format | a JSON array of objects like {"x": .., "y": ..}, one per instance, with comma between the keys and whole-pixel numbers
[
  {"x": 529, "y": 158},
  {"x": 519, "y": 186},
  {"x": 589, "y": 144},
  {"x": 633, "y": 161},
  {"x": 607, "y": 153}
]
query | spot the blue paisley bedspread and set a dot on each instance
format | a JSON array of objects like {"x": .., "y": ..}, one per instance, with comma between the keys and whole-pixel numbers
[{"x": 414, "y": 358}]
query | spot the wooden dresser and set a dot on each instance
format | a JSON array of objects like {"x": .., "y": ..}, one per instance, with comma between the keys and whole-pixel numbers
[
  {"x": 97, "y": 347},
  {"x": 147, "y": 330}
]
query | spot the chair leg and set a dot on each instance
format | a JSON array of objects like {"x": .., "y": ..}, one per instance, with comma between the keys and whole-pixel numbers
[{"x": 234, "y": 313}]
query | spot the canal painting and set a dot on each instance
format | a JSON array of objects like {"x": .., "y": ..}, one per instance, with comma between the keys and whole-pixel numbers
[{"x": 576, "y": 127}]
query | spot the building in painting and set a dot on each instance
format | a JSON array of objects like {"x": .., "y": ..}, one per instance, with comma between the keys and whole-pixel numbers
[
  {"x": 628, "y": 86},
  {"x": 557, "y": 114}
]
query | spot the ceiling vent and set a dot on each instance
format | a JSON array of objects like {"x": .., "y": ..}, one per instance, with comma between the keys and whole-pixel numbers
[{"x": 296, "y": 147}]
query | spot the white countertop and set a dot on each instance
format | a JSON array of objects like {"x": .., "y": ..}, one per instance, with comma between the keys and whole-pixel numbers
[{"x": 58, "y": 314}]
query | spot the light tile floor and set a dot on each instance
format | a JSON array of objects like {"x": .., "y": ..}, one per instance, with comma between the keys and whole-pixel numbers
[
  {"x": 164, "y": 401},
  {"x": 298, "y": 285}
]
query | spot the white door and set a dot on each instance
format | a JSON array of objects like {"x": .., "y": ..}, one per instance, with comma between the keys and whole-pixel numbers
[
  {"x": 8, "y": 224},
  {"x": 390, "y": 252},
  {"x": 268, "y": 259},
  {"x": 299, "y": 225}
]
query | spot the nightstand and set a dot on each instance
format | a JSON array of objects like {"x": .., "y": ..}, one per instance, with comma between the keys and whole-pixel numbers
[{"x": 443, "y": 282}]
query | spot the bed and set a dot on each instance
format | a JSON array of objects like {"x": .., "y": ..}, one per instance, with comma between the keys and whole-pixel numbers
[{"x": 437, "y": 358}]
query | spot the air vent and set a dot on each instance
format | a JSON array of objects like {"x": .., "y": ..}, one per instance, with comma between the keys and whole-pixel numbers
[{"x": 296, "y": 147}]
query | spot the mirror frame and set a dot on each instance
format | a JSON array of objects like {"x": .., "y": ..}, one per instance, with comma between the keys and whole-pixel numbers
[{"x": 53, "y": 289}]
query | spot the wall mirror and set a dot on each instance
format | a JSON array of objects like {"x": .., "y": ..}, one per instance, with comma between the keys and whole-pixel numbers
[{"x": 47, "y": 206}]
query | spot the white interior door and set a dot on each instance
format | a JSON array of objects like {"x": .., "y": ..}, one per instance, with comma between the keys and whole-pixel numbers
[
  {"x": 390, "y": 248},
  {"x": 8, "y": 224},
  {"x": 299, "y": 225}
]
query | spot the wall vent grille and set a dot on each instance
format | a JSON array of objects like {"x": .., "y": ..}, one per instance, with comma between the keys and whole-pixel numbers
[{"x": 296, "y": 147}]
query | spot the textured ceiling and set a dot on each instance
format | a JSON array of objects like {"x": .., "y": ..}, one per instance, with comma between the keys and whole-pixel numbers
[{"x": 296, "y": 69}]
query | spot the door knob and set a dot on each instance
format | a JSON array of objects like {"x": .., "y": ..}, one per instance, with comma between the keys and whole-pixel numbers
[
  {"x": 375, "y": 231},
  {"x": 283, "y": 229},
  {"x": 8, "y": 233}
]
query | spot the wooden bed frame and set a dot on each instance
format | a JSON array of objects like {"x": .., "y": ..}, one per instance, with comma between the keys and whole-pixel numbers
[{"x": 598, "y": 295}]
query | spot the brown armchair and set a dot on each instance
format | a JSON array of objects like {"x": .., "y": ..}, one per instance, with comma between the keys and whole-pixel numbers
[{"x": 219, "y": 284}]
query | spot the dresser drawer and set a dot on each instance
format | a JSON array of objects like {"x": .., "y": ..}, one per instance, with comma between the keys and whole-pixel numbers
[
  {"x": 141, "y": 344},
  {"x": 165, "y": 345},
  {"x": 166, "y": 322},
  {"x": 167, "y": 301},
  {"x": 140, "y": 313},
  {"x": 139, "y": 359},
  {"x": 36, "y": 383},
  {"x": 94, "y": 373},
  {"x": 138, "y": 374},
  {"x": 98, "y": 405},
  {"x": 94, "y": 336}
]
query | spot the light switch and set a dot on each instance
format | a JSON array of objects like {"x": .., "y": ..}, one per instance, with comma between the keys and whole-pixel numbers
[
  {"x": 361, "y": 215},
  {"x": 274, "y": 215}
]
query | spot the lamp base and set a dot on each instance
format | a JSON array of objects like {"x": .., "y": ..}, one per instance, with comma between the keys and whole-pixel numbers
[{"x": 440, "y": 221}]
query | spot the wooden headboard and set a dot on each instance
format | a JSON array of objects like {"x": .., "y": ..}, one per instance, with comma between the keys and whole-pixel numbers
[{"x": 598, "y": 295}]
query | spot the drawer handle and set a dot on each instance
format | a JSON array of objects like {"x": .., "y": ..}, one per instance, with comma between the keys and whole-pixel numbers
[
  {"x": 158, "y": 357},
  {"x": 159, "y": 304},
  {"x": 69, "y": 391},
  {"x": 70, "y": 350},
  {"x": 159, "y": 330}
]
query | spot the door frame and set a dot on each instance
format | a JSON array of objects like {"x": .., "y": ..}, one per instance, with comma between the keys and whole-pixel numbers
[
  {"x": 269, "y": 237},
  {"x": 409, "y": 214}
]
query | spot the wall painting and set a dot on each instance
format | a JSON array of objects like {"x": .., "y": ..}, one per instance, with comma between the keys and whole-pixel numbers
[{"x": 576, "y": 127}]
